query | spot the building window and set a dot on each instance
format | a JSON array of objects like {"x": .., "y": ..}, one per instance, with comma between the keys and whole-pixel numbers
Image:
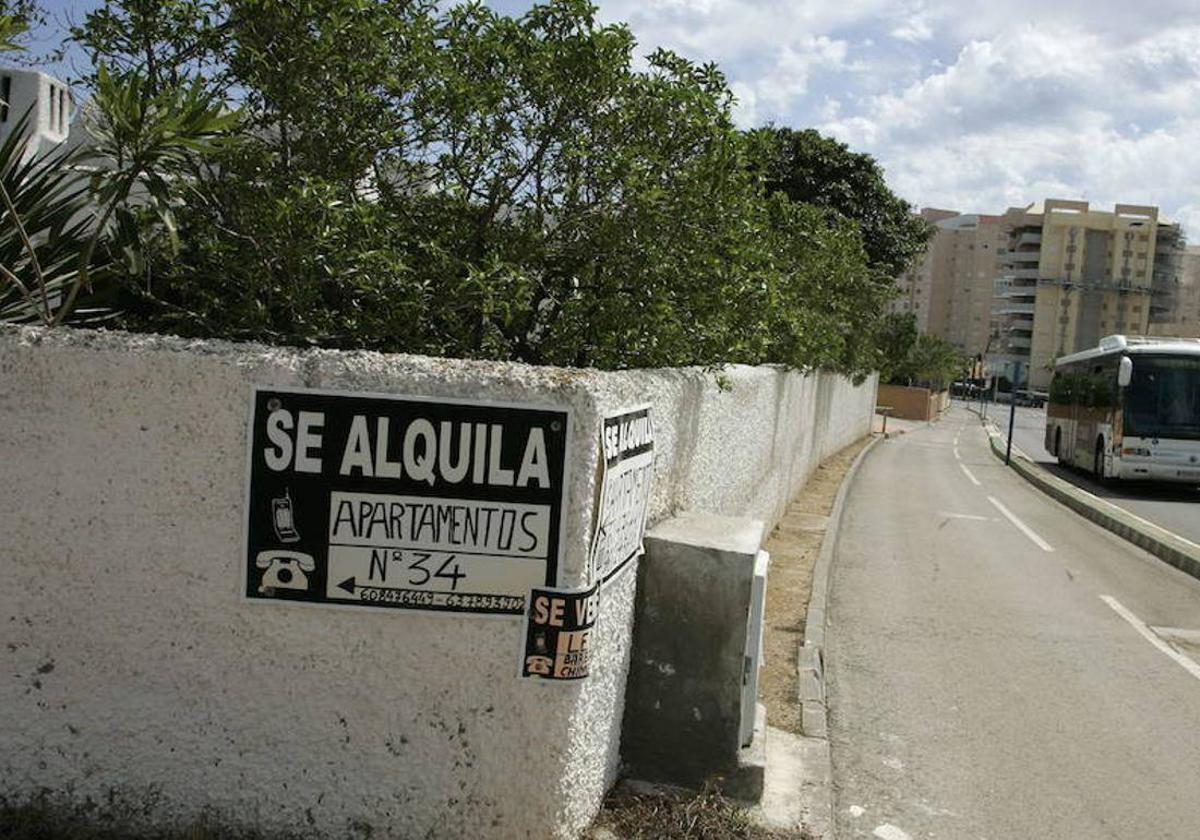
[
  {"x": 62, "y": 109},
  {"x": 5, "y": 94}
]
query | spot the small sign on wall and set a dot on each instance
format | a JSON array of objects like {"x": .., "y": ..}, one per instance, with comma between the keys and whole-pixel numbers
[
  {"x": 627, "y": 452},
  {"x": 403, "y": 503},
  {"x": 558, "y": 633}
]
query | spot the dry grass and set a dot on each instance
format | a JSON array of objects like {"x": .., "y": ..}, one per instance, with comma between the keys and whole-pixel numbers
[
  {"x": 794, "y": 546},
  {"x": 633, "y": 815}
]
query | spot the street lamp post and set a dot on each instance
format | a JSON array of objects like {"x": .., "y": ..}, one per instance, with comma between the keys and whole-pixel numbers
[{"x": 1012, "y": 410}]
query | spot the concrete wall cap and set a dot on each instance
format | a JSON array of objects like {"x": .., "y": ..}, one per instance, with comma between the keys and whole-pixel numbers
[{"x": 736, "y": 534}]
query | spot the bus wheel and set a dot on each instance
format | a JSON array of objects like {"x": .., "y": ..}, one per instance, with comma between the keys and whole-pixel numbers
[{"x": 1098, "y": 463}]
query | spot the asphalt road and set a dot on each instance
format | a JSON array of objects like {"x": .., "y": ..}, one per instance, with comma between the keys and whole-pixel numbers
[
  {"x": 1175, "y": 507},
  {"x": 980, "y": 685}
]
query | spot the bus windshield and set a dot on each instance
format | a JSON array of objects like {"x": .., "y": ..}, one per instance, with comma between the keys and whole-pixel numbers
[{"x": 1163, "y": 400}]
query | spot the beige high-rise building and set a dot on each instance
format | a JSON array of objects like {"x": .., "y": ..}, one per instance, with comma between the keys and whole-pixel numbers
[
  {"x": 916, "y": 286},
  {"x": 1072, "y": 275},
  {"x": 961, "y": 302},
  {"x": 950, "y": 291}
]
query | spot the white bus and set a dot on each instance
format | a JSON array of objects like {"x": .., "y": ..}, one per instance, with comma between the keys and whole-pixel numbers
[{"x": 1129, "y": 408}]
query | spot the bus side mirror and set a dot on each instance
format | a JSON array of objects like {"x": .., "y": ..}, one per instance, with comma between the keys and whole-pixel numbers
[{"x": 1125, "y": 372}]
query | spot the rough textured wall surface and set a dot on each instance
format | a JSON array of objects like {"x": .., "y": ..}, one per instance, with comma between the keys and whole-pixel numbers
[{"x": 133, "y": 671}]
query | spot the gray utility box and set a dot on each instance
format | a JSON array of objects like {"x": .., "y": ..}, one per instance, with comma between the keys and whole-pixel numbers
[{"x": 691, "y": 714}]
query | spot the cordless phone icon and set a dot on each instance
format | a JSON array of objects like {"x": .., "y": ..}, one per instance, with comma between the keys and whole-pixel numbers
[{"x": 283, "y": 517}]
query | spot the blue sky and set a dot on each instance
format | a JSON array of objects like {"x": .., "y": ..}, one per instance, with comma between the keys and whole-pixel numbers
[{"x": 972, "y": 105}]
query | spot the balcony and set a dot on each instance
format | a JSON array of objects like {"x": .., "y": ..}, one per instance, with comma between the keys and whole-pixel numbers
[
  {"x": 1024, "y": 257},
  {"x": 1016, "y": 342},
  {"x": 1012, "y": 308},
  {"x": 1018, "y": 294},
  {"x": 1022, "y": 273},
  {"x": 1028, "y": 238}
]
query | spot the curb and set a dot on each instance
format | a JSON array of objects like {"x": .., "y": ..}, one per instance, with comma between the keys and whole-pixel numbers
[
  {"x": 1163, "y": 544},
  {"x": 813, "y": 711}
]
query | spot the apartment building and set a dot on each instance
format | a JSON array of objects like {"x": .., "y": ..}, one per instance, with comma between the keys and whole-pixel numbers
[
  {"x": 1073, "y": 274},
  {"x": 950, "y": 291},
  {"x": 1175, "y": 307},
  {"x": 45, "y": 99},
  {"x": 916, "y": 286}
]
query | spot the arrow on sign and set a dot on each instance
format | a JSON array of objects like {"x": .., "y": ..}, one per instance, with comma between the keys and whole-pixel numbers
[{"x": 347, "y": 584}]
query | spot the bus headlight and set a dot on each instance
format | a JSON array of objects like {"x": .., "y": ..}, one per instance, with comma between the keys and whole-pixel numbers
[{"x": 1132, "y": 450}]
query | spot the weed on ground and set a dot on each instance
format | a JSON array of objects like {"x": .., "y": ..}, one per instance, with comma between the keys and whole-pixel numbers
[{"x": 661, "y": 815}]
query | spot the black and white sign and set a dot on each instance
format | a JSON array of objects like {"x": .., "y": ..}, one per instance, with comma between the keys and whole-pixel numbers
[
  {"x": 627, "y": 447},
  {"x": 558, "y": 633},
  {"x": 403, "y": 503}
]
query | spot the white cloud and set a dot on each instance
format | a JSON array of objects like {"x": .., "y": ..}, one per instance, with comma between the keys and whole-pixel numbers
[
  {"x": 915, "y": 24},
  {"x": 776, "y": 91},
  {"x": 972, "y": 105},
  {"x": 913, "y": 30},
  {"x": 1038, "y": 112}
]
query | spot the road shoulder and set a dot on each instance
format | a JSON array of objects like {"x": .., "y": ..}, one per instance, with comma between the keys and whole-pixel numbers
[{"x": 798, "y": 785}]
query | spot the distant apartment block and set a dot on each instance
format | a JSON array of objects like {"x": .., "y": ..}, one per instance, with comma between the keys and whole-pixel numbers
[
  {"x": 951, "y": 290},
  {"x": 1073, "y": 274},
  {"x": 915, "y": 286}
]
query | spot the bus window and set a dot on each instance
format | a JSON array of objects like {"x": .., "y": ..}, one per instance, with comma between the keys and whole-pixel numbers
[{"x": 1163, "y": 400}]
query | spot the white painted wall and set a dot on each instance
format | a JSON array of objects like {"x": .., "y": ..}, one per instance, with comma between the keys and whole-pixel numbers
[
  {"x": 51, "y": 103},
  {"x": 132, "y": 667}
]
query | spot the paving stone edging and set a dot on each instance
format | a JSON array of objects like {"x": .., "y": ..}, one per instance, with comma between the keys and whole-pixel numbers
[{"x": 1163, "y": 544}]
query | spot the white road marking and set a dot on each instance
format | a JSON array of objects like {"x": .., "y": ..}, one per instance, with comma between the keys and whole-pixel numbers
[
  {"x": 1186, "y": 662},
  {"x": 1178, "y": 634},
  {"x": 970, "y": 516},
  {"x": 856, "y": 810},
  {"x": 887, "y": 831},
  {"x": 974, "y": 480},
  {"x": 1024, "y": 529},
  {"x": 957, "y": 457}
]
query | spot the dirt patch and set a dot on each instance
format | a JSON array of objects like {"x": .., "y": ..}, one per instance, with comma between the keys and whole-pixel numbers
[
  {"x": 794, "y": 546},
  {"x": 661, "y": 815}
]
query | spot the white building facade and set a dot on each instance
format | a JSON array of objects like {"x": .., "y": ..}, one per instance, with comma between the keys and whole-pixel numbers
[{"x": 47, "y": 100}]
